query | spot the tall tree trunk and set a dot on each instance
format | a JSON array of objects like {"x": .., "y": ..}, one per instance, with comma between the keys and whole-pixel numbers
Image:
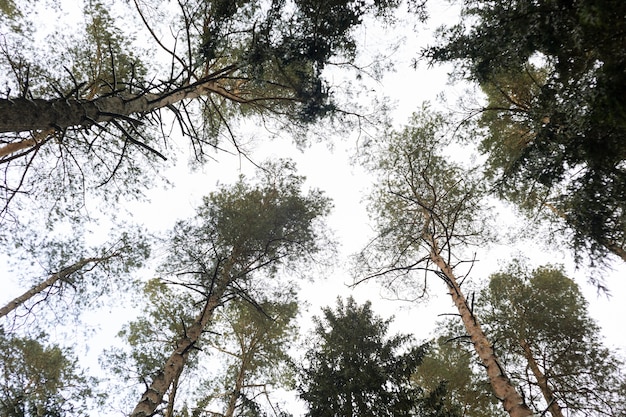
[
  {"x": 153, "y": 396},
  {"x": 542, "y": 381},
  {"x": 500, "y": 383},
  {"x": 236, "y": 393},
  {"x": 171, "y": 398},
  {"x": 53, "y": 279},
  {"x": 23, "y": 114}
]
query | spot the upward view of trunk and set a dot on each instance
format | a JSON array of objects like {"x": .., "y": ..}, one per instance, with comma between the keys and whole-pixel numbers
[
  {"x": 542, "y": 381},
  {"x": 502, "y": 387},
  {"x": 175, "y": 364},
  {"x": 48, "y": 283},
  {"x": 24, "y": 115}
]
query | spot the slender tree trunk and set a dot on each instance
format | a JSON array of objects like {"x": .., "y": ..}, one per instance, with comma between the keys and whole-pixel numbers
[
  {"x": 500, "y": 383},
  {"x": 542, "y": 381},
  {"x": 234, "y": 396},
  {"x": 53, "y": 279},
  {"x": 153, "y": 396}
]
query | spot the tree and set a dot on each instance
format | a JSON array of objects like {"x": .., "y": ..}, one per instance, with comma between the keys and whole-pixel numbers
[
  {"x": 550, "y": 344},
  {"x": 88, "y": 277},
  {"x": 451, "y": 363},
  {"x": 427, "y": 211},
  {"x": 239, "y": 233},
  {"x": 253, "y": 340},
  {"x": 97, "y": 123},
  {"x": 353, "y": 368},
  {"x": 40, "y": 379},
  {"x": 554, "y": 75}
]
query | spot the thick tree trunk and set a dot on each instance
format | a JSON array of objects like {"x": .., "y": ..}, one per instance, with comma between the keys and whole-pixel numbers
[
  {"x": 23, "y": 115},
  {"x": 542, "y": 381},
  {"x": 53, "y": 279},
  {"x": 500, "y": 383}
]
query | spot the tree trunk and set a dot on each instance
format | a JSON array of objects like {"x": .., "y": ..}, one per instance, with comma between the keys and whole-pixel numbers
[
  {"x": 53, "y": 279},
  {"x": 24, "y": 115},
  {"x": 153, "y": 396},
  {"x": 542, "y": 381},
  {"x": 500, "y": 383},
  {"x": 239, "y": 380}
]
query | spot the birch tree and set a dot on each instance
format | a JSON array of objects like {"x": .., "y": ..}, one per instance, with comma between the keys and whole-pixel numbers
[{"x": 428, "y": 210}]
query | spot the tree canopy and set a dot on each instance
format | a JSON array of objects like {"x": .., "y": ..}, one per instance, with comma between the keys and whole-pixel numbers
[
  {"x": 554, "y": 75},
  {"x": 353, "y": 368}
]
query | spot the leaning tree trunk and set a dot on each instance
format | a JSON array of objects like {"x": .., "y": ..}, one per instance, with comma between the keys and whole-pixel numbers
[
  {"x": 174, "y": 366},
  {"x": 502, "y": 387},
  {"x": 542, "y": 381},
  {"x": 53, "y": 279}
]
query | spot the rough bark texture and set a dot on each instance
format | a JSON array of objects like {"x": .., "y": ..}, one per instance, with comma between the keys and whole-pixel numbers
[
  {"x": 23, "y": 115},
  {"x": 500, "y": 383},
  {"x": 53, "y": 279},
  {"x": 542, "y": 381}
]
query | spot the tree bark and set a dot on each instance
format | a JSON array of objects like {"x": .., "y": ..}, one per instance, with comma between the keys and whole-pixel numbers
[
  {"x": 542, "y": 381},
  {"x": 53, "y": 279},
  {"x": 23, "y": 115},
  {"x": 153, "y": 396},
  {"x": 500, "y": 383}
]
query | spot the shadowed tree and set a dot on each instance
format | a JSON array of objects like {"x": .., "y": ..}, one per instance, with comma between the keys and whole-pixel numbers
[
  {"x": 428, "y": 211},
  {"x": 554, "y": 75},
  {"x": 353, "y": 368}
]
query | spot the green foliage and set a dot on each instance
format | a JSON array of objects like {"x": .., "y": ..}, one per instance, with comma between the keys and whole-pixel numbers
[
  {"x": 39, "y": 379},
  {"x": 451, "y": 364},
  {"x": 249, "y": 227},
  {"x": 421, "y": 193},
  {"x": 252, "y": 342},
  {"x": 554, "y": 71},
  {"x": 354, "y": 369},
  {"x": 546, "y": 310}
]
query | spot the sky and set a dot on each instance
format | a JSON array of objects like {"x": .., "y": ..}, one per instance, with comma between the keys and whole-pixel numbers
[{"x": 331, "y": 168}]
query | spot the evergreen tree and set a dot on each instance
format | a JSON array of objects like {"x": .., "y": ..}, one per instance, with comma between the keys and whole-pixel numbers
[
  {"x": 555, "y": 77},
  {"x": 353, "y": 368},
  {"x": 39, "y": 379},
  {"x": 551, "y": 346},
  {"x": 428, "y": 210}
]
